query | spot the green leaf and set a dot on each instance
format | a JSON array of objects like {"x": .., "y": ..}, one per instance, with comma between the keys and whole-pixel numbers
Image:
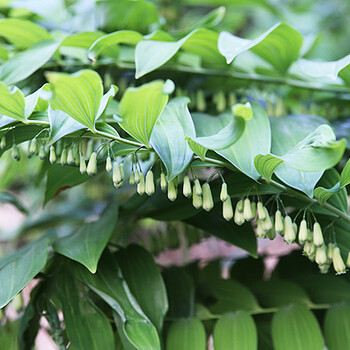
[
  {"x": 139, "y": 118},
  {"x": 129, "y": 37},
  {"x": 266, "y": 165},
  {"x": 214, "y": 223},
  {"x": 235, "y": 331},
  {"x": 22, "y": 33},
  {"x": 109, "y": 284},
  {"x": 295, "y": 327},
  {"x": 186, "y": 334},
  {"x": 287, "y": 132},
  {"x": 279, "y": 46},
  {"x": 345, "y": 175},
  {"x": 8, "y": 335},
  {"x": 20, "y": 267},
  {"x": 229, "y": 296},
  {"x": 323, "y": 194},
  {"x": 7, "y": 197},
  {"x": 151, "y": 54},
  {"x": 145, "y": 282},
  {"x": 231, "y": 131},
  {"x": 256, "y": 139},
  {"x": 180, "y": 289},
  {"x": 316, "y": 152},
  {"x": 60, "y": 178},
  {"x": 24, "y": 64},
  {"x": 279, "y": 292},
  {"x": 12, "y": 103},
  {"x": 106, "y": 98},
  {"x": 337, "y": 327},
  {"x": 168, "y": 136},
  {"x": 88, "y": 242},
  {"x": 79, "y": 95},
  {"x": 86, "y": 327},
  {"x": 197, "y": 149},
  {"x": 61, "y": 124}
]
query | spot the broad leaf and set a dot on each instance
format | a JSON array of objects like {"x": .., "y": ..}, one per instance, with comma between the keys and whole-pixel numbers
[
  {"x": 79, "y": 95},
  {"x": 12, "y": 103},
  {"x": 229, "y": 296},
  {"x": 337, "y": 327},
  {"x": 295, "y": 327},
  {"x": 235, "y": 331},
  {"x": 86, "y": 327},
  {"x": 345, "y": 175},
  {"x": 168, "y": 136},
  {"x": 88, "y": 242},
  {"x": 60, "y": 178},
  {"x": 105, "y": 99},
  {"x": 255, "y": 139},
  {"x": 186, "y": 334},
  {"x": 279, "y": 45},
  {"x": 129, "y": 37},
  {"x": 19, "y": 268},
  {"x": 139, "y": 118},
  {"x": 23, "y": 64},
  {"x": 22, "y": 33},
  {"x": 145, "y": 282},
  {"x": 109, "y": 284},
  {"x": 151, "y": 54},
  {"x": 287, "y": 132},
  {"x": 61, "y": 124}
]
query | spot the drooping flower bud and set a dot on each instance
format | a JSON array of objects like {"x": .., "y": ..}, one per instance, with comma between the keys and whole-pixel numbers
[
  {"x": 303, "y": 232},
  {"x": 70, "y": 157},
  {"x": 3, "y": 142},
  {"x": 309, "y": 249},
  {"x": 140, "y": 188},
  {"x": 92, "y": 165},
  {"x": 227, "y": 210},
  {"x": 186, "y": 187},
  {"x": 272, "y": 233},
  {"x": 208, "y": 203},
  {"x": 200, "y": 99},
  {"x": 172, "y": 190},
  {"x": 253, "y": 204},
  {"x": 317, "y": 235},
  {"x": 247, "y": 210},
  {"x": 324, "y": 268},
  {"x": 321, "y": 255},
  {"x": 330, "y": 251},
  {"x": 279, "y": 227},
  {"x": 231, "y": 98},
  {"x": 109, "y": 165},
  {"x": 289, "y": 233},
  {"x": 149, "y": 183},
  {"x": 310, "y": 237},
  {"x": 42, "y": 152},
  {"x": 89, "y": 148},
  {"x": 52, "y": 156},
  {"x": 238, "y": 217},
  {"x": 261, "y": 211},
  {"x": 82, "y": 165},
  {"x": 32, "y": 147},
  {"x": 338, "y": 262},
  {"x": 197, "y": 187},
  {"x": 132, "y": 178},
  {"x": 260, "y": 232},
  {"x": 64, "y": 156},
  {"x": 15, "y": 152},
  {"x": 121, "y": 166},
  {"x": 116, "y": 174},
  {"x": 197, "y": 201},
  {"x": 267, "y": 223},
  {"x": 220, "y": 101},
  {"x": 223, "y": 192},
  {"x": 59, "y": 147},
  {"x": 163, "y": 182},
  {"x": 240, "y": 206},
  {"x": 137, "y": 177}
]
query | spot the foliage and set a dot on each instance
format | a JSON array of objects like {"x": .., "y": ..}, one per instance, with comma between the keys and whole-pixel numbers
[{"x": 219, "y": 134}]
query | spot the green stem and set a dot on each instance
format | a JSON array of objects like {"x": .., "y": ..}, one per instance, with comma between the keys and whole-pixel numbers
[{"x": 298, "y": 195}]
